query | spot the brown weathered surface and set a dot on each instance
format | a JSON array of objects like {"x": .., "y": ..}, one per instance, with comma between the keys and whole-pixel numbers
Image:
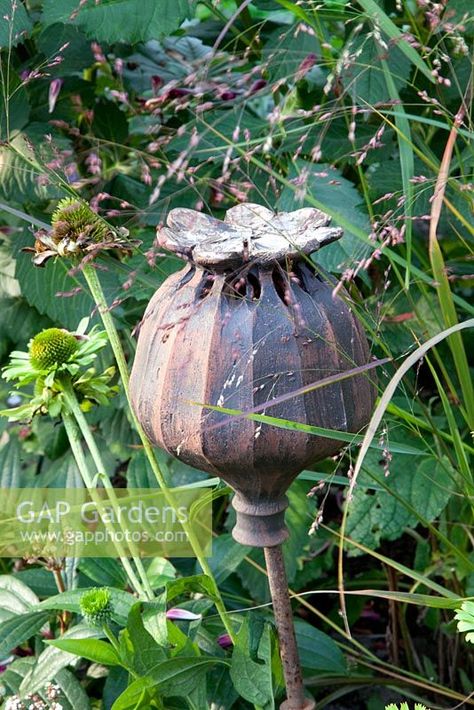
[
  {"x": 203, "y": 342},
  {"x": 249, "y": 232}
]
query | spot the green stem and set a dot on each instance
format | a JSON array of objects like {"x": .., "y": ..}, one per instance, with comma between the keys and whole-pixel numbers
[
  {"x": 97, "y": 292},
  {"x": 71, "y": 400},
  {"x": 74, "y": 437},
  {"x": 107, "y": 631}
]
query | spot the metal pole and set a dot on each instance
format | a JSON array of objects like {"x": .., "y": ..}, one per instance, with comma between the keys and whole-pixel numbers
[{"x": 286, "y": 632}]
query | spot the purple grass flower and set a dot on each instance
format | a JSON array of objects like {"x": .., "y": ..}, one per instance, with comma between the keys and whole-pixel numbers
[
  {"x": 54, "y": 89},
  {"x": 224, "y": 641}
]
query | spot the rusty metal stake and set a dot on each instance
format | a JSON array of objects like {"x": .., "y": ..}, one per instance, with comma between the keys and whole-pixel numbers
[{"x": 286, "y": 632}]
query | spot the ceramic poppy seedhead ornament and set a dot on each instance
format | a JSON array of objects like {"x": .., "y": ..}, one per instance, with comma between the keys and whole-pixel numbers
[{"x": 250, "y": 324}]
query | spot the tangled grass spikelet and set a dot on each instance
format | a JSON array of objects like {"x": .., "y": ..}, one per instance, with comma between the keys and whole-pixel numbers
[
  {"x": 96, "y": 606},
  {"x": 51, "y": 347}
]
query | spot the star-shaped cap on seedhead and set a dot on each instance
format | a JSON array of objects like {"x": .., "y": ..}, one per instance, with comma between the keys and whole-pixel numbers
[{"x": 248, "y": 233}]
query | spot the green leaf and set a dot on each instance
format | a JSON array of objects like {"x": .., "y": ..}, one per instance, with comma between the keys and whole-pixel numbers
[
  {"x": 418, "y": 490},
  {"x": 227, "y": 554},
  {"x": 19, "y": 179},
  {"x": 52, "y": 660},
  {"x": 120, "y": 20},
  {"x": 18, "y": 629},
  {"x": 12, "y": 585},
  {"x": 253, "y": 678},
  {"x": 93, "y": 649},
  {"x": 12, "y": 474},
  {"x": 375, "y": 12},
  {"x": 365, "y": 77},
  {"x": 339, "y": 198},
  {"x": 121, "y": 602},
  {"x": 175, "y": 677},
  {"x": 14, "y": 23},
  {"x": 139, "y": 651},
  {"x": 160, "y": 571},
  {"x": 73, "y": 695},
  {"x": 317, "y": 650},
  {"x": 104, "y": 571},
  {"x": 465, "y": 618},
  {"x": 75, "y": 57},
  {"x": 285, "y": 49}
]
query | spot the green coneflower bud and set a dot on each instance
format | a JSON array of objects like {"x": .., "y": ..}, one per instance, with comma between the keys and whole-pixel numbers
[
  {"x": 52, "y": 346},
  {"x": 74, "y": 219},
  {"x": 96, "y": 606}
]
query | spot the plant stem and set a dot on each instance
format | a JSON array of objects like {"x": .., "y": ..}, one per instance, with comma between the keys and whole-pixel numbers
[
  {"x": 107, "y": 631},
  {"x": 73, "y": 404},
  {"x": 99, "y": 298},
  {"x": 74, "y": 437}
]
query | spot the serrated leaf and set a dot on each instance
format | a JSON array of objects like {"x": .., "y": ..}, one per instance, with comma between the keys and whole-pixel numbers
[
  {"x": 286, "y": 48},
  {"x": 54, "y": 292},
  {"x": 75, "y": 56},
  {"x": 422, "y": 486},
  {"x": 365, "y": 78},
  {"x": 120, "y": 20}
]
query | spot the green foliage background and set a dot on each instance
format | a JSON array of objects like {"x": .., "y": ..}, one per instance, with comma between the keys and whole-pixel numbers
[{"x": 140, "y": 106}]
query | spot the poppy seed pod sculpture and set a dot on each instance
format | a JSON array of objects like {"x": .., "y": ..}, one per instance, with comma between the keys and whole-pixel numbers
[{"x": 251, "y": 324}]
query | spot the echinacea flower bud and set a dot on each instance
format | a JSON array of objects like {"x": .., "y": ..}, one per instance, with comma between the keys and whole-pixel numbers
[
  {"x": 96, "y": 606},
  {"x": 51, "y": 347}
]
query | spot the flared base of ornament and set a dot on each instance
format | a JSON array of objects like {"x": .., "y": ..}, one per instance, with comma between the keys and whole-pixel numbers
[
  {"x": 262, "y": 524},
  {"x": 309, "y": 705}
]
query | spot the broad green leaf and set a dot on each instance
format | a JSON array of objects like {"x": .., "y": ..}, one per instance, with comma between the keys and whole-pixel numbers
[
  {"x": 365, "y": 79},
  {"x": 76, "y": 56},
  {"x": 286, "y": 48},
  {"x": 174, "y": 677},
  {"x": 15, "y": 23},
  {"x": 317, "y": 650},
  {"x": 21, "y": 181},
  {"x": 335, "y": 195},
  {"x": 227, "y": 554},
  {"x": 252, "y": 677},
  {"x": 160, "y": 571},
  {"x": 138, "y": 650},
  {"x": 52, "y": 660},
  {"x": 92, "y": 649},
  {"x": 11, "y": 584},
  {"x": 12, "y": 474},
  {"x": 73, "y": 695},
  {"x": 377, "y": 15},
  {"x": 418, "y": 487},
  {"x": 54, "y": 292},
  {"x": 104, "y": 571},
  {"x": 18, "y": 629},
  {"x": 123, "y": 20}
]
